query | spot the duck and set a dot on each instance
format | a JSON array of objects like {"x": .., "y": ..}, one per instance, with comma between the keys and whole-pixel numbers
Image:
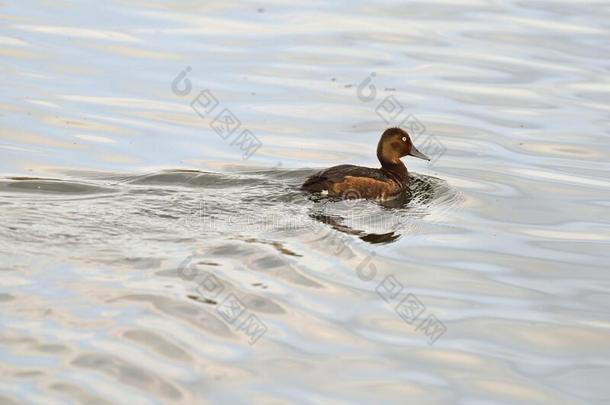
[{"x": 358, "y": 182}]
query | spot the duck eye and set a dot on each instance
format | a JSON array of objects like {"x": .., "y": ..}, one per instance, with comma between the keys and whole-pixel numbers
[{"x": 404, "y": 139}]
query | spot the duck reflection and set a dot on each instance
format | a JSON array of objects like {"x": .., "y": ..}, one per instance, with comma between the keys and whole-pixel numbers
[
  {"x": 390, "y": 218},
  {"x": 393, "y": 217}
]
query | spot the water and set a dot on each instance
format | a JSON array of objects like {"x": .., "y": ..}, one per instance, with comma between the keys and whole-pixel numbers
[{"x": 129, "y": 225}]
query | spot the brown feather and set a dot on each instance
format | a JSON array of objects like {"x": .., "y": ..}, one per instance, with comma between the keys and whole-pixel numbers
[
  {"x": 349, "y": 181},
  {"x": 364, "y": 187}
]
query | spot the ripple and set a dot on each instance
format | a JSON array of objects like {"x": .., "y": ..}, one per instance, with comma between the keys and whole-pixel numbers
[
  {"x": 118, "y": 201},
  {"x": 50, "y": 186}
]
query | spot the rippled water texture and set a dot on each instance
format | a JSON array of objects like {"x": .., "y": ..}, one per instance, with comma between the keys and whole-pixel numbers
[{"x": 143, "y": 260}]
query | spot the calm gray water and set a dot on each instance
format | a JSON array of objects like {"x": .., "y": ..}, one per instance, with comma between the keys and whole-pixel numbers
[{"x": 151, "y": 255}]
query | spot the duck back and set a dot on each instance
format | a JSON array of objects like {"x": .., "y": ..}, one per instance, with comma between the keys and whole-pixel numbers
[{"x": 358, "y": 181}]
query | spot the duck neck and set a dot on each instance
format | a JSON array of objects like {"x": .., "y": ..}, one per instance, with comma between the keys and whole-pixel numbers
[{"x": 397, "y": 170}]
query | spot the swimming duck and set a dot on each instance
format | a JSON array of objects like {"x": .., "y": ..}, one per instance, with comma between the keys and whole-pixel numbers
[{"x": 388, "y": 182}]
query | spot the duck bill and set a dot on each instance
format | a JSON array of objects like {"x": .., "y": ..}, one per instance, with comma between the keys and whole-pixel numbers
[{"x": 418, "y": 154}]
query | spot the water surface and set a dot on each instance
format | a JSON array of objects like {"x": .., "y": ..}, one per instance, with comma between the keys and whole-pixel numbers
[{"x": 129, "y": 224}]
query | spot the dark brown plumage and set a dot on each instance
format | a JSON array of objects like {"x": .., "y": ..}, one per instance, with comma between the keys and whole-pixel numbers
[{"x": 387, "y": 182}]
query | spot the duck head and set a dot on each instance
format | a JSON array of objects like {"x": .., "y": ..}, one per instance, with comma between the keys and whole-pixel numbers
[{"x": 394, "y": 144}]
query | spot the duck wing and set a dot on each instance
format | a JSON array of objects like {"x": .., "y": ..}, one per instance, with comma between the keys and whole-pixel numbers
[{"x": 336, "y": 174}]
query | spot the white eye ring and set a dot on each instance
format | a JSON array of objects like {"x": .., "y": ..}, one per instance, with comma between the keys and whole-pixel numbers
[{"x": 404, "y": 139}]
